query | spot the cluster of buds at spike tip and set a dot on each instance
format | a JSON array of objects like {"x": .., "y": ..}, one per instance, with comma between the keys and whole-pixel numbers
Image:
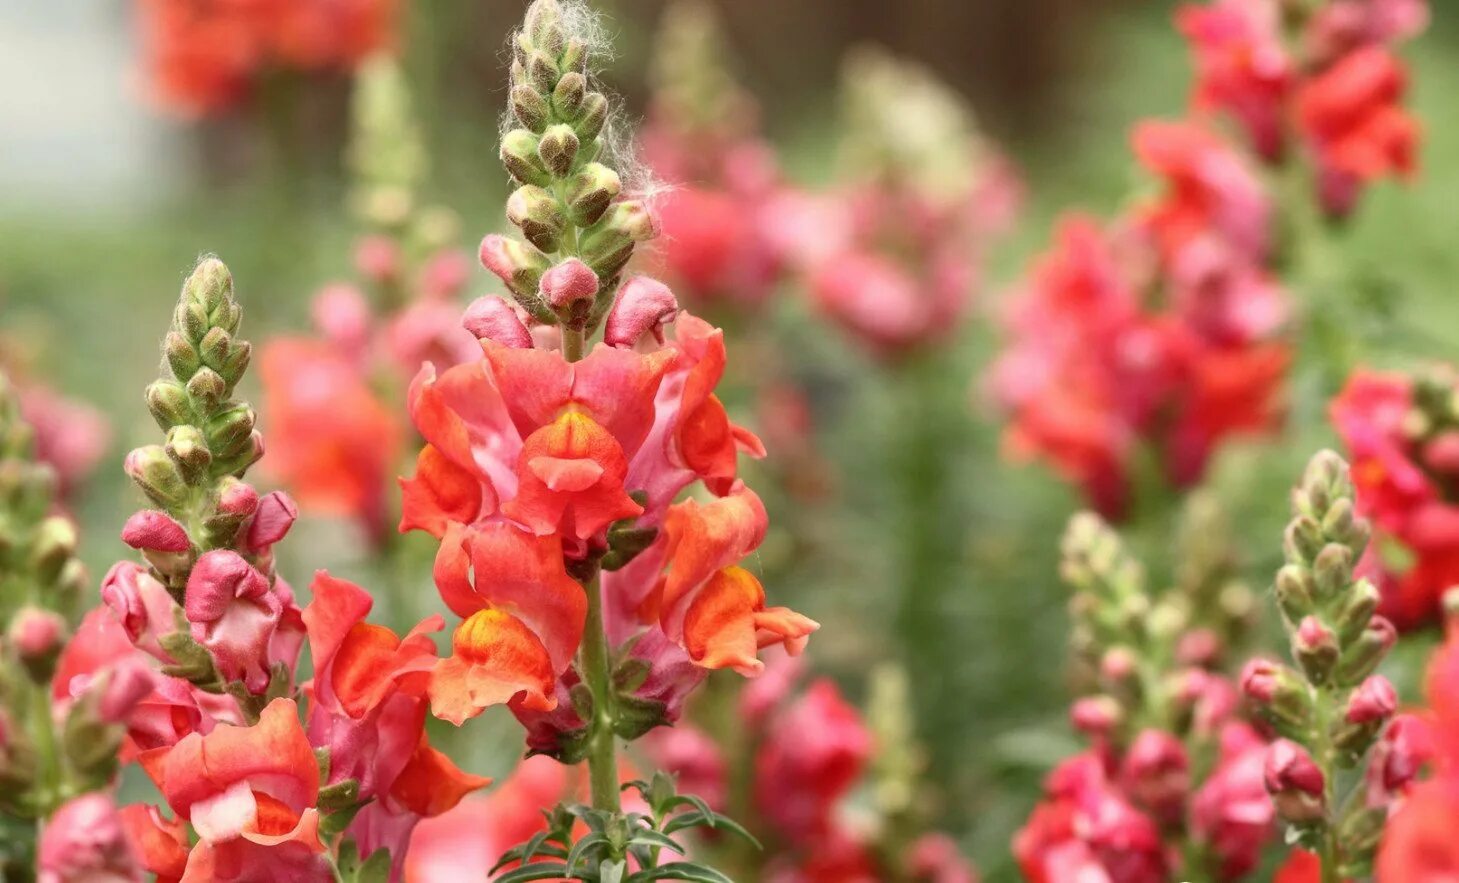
[
  {"x": 207, "y": 604},
  {"x": 1330, "y": 707},
  {"x": 50, "y": 750},
  {"x": 579, "y": 229}
]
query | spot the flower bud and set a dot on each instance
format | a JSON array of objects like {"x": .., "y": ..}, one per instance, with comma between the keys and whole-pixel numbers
[
  {"x": 633, "y": 219},
  {"x": 530, "y": 108},
  {"x": 157, "y": 476},
  {"x": 228, "y": 432},
  {"x": 1363, "y": 657},
  {"x": 1373, "y": 701},
  {"x": 1295, "y": 782},
  {"x": 1304, "y": 540},
  {"x": 518, "y": 266},
  {"x": 208, "y": 389},
  {"x": 539, "y": 215},
  {"x": 593, "y": 115},
  {"x": 1314, "y": 646},
  {"x": 519, "y": 155},
  {"x": 155, "y": 530},
  {"x": 1441, "y": 453},
  {"x": 189, "y": 450},
  {"x": 36, "y": 636},
  {"x": 491, "y": 318},
  {"x": 558, "y": 149},
  {"x": 1294, "y": 588},
  {"x": 1199, "y": 647},
  {"x": 1096, "y": 716},
  {"x": 169, "y": 404},
  {"x": 182, "y": 359},
  {"x": 1356, "y": 611},
  {"x": 1406, "y": 747},
  {"x": 590, "y": 192},
  {"x": 568, "y": 94},
  {"x": 234, "y": 615},
  {"x": 378, "y": 258},
  {"x": 52, "y": 548},
  {"x": 643, "y": 305},
  {"x": 1278, "y": 692},
  {"x": 236, "y": 499},
  {"x": 1332, "y": 571},
  {"x": 276, "y": 514},
  {"x": 126, "y": 685},
  {"x": 568, "y": 287}
]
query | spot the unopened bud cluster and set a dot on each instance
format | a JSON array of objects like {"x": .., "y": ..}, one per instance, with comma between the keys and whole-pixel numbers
[
  {"x": 1330, "y": 707},
  {"x": 209, "y": 542},
  {"x": 579, "y": 233}
]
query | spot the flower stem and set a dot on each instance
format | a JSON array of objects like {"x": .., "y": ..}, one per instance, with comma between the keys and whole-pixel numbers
[
  {"x": 602, "y": 750},
  {"x": 574, "y": 341},
  {"x": 1329, "y": 850}
]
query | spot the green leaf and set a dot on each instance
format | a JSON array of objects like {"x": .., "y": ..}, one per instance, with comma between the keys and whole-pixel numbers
[
  {"x": 376, "y": 868},
  {"x": 538, "y": 871},
  {"x": 713, "y": 821},
  {"x": 693, "y": 800},
  {"x": 686, "y": 871},
  {"x": 650, "y": 837},
  {"x": 580, "y": 848}
]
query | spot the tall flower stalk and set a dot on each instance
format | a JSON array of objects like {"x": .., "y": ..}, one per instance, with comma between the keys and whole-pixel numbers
[{"x": 592, "y": 599}]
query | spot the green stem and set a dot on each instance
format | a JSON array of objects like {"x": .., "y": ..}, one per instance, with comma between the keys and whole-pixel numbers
[
  {"x": 602, "y": 748},
  {"x": 574, "y": 341},
  {"x": 1329, "y": 850},
  {"x": 50, "y": 774}
]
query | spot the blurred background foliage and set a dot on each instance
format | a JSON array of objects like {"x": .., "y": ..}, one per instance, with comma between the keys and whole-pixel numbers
[{"x": 934, "y": 552}]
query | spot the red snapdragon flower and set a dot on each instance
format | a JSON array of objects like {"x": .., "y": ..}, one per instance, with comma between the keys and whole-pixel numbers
[
  {"x": 1242, "y": 66},
  {"x": 813, "y": 752}
]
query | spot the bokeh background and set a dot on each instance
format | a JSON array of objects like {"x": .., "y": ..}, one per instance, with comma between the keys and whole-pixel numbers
[{"x": 933, "y": 553}]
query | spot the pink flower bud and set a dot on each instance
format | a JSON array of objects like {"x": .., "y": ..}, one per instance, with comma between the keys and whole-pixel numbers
[
  {"x": 568, "y": 283},
  {"x": 491, "y": 318},
  {"x": 643, "y": 305},
  {"x": 1260, "y": 679},
  {"x": 238, "y": 499},
  {"x": 1118, "y": 664},
  {"x": 378, "y": 258},
  {"x": 1095, "y": 716},
  {"x": 234, "y": 615},
  {"x": 342, "y": 315},
  {"x": 142, "y": 605},
  {"x": 127, "y": 685},
  {"x": 1294, "y": 781},
  {"x": 36, "y": 634},
  {"x": 84, "y": 841},
  {"x": 1406, "y": 747},
  {"x": 1201, "y": 647},
  {"x": 276, "y": 514},
  {"x": 156, "y": 531},
  {"x": 1373, "y": 701}
]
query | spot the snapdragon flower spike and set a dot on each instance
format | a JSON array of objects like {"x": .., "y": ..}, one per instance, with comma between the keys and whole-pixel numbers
[
  {"x": 1319, "y": 81},
  {"x": 1331, "y": 708},
  {"x": 58, "y": 739},
  {"x": 232, "y": 625},
  {"x": 1154, "y": 711}
]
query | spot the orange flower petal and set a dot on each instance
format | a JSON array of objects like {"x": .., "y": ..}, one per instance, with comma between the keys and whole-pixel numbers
[
  {"x": 496, "y": 659},
  {"x": 431, "y": 784}
]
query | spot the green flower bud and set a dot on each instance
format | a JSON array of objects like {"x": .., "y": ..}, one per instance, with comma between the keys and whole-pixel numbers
[
  {"x": 1304, "y": 540},
  {"x": 590, "y": 193},
  {"x": 229, "y": 431},
  {"x": 574, "y": 57},
  {"x": 1332, "y": 571},
  {"x": 1294, "y": 590},
  {"x": 558, "y": 149},
  {"x": 208, "y": 390},
  {"x": 189, "y": 450},
  {"x": 539, "y": 215},
  {"x": 633, "y": 219},
  {"x": 182, "y": 357},
  {"x": 1363, "y": 656},
  {"x": 169, "y": 403},
  {"x": 54, "y": 545},
  {"x": 593, "y": 115},
  {"x": 541, "y": 72},
  {"x": 158, "y": 476},
  {"x": 1356, "y": 611},
  {"x": 567, "y": 96},
  {"x": 211, "y": 287},
  {"x": 519, "y": 155},
  {"x": 530, "y": 108}
]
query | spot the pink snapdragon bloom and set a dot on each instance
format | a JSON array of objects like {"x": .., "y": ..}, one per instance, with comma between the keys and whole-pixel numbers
[
  {"x": 1242, "y": 67},
  {"x": 70, "y": 436},
  {"x": 812, "y": 754}
]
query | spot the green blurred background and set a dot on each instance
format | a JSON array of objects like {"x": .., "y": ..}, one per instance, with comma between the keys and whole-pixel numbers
[{"x": 935, "y": 553}]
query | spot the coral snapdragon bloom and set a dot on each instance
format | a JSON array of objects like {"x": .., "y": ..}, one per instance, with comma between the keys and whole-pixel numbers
[
  {"x": 1353, "y": 115},
  {"x": 250, "y": 794},
  {"x": 336, "y": 442},
  {"x": 522, "y": 619}
]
